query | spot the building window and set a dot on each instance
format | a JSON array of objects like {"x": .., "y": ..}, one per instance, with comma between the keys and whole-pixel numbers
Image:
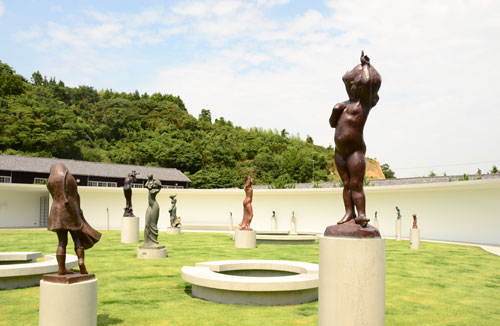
[
  {"x": 5, "y": 179},
  {"x": 102, "y": 184},
  {"x": 173, "y": 187},
  {"x": 137, "y": 185},
  {"x": 40, "y": 181}
]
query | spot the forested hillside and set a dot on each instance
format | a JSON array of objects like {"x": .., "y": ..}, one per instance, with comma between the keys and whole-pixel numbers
[{"x": 43, "y": 117}]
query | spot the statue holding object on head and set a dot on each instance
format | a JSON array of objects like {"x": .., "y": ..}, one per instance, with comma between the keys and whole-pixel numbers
[
  {"x": 66, "y": 215},
  {"x": 127, "y": 191},
  {"x": 247, "y": 205},
  {"x": 152, "y": 213},
  {"x": 348, "y": 118}
]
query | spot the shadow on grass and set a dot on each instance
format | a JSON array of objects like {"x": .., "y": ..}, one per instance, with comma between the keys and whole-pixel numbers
[
  {"x": 105, "y": 319},
  {"x": 187, "y": 290}
]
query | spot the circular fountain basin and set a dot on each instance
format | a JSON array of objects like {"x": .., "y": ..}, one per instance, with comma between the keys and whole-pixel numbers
[{"x": 254, "y": 282}]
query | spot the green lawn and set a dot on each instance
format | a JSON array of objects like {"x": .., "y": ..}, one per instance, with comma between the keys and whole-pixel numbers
[{"x": 439, "y": 284}]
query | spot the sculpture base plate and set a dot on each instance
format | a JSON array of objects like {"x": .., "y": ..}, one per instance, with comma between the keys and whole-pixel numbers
[
  {"x": 68, "y": 278},
  {"x": 149, "y": 252},
  {"x": 352, "y": 230}
]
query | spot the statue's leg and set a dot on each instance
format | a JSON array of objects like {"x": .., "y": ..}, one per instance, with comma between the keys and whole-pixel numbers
[
  {"x": 356, "y": 166},
  {"x": 80, "y": 251},
  {"x": 341, "y": 165},
  {"x": 62, "y": 236}
]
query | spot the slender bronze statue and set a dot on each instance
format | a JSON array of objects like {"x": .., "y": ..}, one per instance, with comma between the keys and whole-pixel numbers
[
  {"x": 152, "y": 213},
  {"x": 247, "y": 205},
  {"x": 414, "y": 222},
  {"x": 348, "y": 118},
  {"x": 175, "y": 221},
  {"x": 66, "y": 215},
  {"x": 127, "y": 191}
]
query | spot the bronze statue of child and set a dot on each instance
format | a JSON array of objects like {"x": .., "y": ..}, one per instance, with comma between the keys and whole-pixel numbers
[{"x": 348, "y": 118}]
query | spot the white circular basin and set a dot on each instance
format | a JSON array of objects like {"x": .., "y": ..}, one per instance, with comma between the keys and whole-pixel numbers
[{"x": 254, "y": 282}]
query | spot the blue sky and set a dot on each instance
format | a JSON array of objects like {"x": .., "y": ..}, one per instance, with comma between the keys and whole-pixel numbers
[{"x": 278, "y": 64}]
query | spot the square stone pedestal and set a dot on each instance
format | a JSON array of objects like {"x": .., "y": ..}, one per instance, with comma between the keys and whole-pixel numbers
[
  {"x": 151, "y": 252},
  {"x": 171, "y": 230},
  {"x": 68, "y": 300}
]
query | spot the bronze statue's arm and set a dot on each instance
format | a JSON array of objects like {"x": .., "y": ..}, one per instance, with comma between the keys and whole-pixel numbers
[{"x": 336, "y": 113}]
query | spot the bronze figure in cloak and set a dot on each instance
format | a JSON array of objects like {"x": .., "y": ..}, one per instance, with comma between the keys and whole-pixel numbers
[
  {"x": 66, "y": 215},
  {"x": 152, "y": 213},
  {"x": 127, "y": 192}
]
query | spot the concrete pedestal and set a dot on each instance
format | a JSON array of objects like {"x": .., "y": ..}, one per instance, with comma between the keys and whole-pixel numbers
[
  {"x": 351, "y": 281},
  {"x": 130, "y": 229},
  {"x": 245, "y": 239},
  {"x": 68, "y": 304},
  {"x": 398, "y": 229},
  {"x": 293, "y": 225},
  {"x": 376, "y": 224},
  {"x": 151, "y": 252},
  {"x": 414, "y": 238},
  {"x": 274, "y": 223},
  {"x": 171, "y": 230}
]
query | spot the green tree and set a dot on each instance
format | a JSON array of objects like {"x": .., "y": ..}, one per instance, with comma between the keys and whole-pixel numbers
[{"x": 388, "y": 173}]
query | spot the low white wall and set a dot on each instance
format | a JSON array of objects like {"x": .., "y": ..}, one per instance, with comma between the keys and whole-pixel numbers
[
  {"x": 466, "y": 211},
  {"x": 20, "y": 206}
]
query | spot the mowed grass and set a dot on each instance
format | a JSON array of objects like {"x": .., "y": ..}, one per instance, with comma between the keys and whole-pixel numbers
[{"x": 439, "y": 284}]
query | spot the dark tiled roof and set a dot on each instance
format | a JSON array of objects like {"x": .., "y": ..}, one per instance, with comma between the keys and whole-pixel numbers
[{"x": 42, "y": 165}]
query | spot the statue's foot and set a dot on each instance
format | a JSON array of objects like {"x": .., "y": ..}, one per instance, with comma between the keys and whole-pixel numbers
[
  {"x": 65, "y": 271},
  {"x": 83, "y": 270},
  {"x": 362, "y": 220},
  {"x": 246, "y": 228},
  {"x": 345, "y": 219}
]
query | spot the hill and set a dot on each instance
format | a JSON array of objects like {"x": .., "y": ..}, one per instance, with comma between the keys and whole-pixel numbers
[{"x": 44, "y": 117}]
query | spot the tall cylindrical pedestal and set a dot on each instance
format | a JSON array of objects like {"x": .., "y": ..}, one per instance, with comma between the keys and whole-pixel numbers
[
  {"x": 376, "y": 224},
  {"x": 351, "y": 281},
  {"x": 274, "y": 223},
  {"x": 245, "y": 239},
  {"x": 414, "y": 238},
  {"x": 130, "y": 229},
  {"x": 398, "y": 229},
  {"x": 68, "y": 304}
]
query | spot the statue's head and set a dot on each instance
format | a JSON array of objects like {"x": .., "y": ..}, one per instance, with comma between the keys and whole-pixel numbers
[
  {"x": 150, "y": 177},
  {"x": 363, "y": 82}
]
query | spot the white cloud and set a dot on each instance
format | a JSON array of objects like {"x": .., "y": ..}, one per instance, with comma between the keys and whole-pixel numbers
[{"x": 271, "y": 3}]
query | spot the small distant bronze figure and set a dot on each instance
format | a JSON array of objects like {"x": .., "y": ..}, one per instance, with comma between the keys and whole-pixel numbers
[
  {"x": 127, "y": 191},
  {"x": 414, "y": 222},
  {"x": 66, "y": 215},
  {"x": 348, "y": 118},
  {"x": 152, "y": 213},
  {"x": 399, "y": 213},
  {"x": 175, "y": 221},
  {"x": 247, "y": 206}
]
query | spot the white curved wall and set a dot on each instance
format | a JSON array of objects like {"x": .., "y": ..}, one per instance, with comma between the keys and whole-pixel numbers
[{"x": 466, "y": 211}]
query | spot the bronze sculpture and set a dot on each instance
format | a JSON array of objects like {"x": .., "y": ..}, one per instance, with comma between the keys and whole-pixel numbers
[
  {"x": 152, "y": 213},
  {"x": 247, "y": 205},
  {"x": 66, "y": 215},
  {"x": 127, "y": 191},
  {"x": 348, "y": 118},
  {"x": 414, "y": 222},
  {"x": 399, "y": 213},
  {"x": 175, "y": 221}
]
